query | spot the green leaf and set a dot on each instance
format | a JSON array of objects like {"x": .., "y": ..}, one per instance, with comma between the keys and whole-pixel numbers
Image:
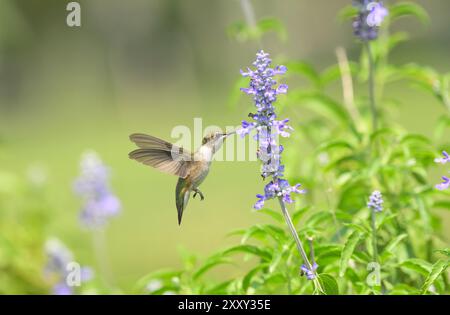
[
  {"x": 305, "y": 69},
  {"x": 246, "y": 281},
  {"x": 319, "y": 218},
  {"x": 417, "y": 265},
  {"x": 442, "y": 124},
  {"x": 243, "y": 32},
  {"x": 408, "y": 9},
  {"x": 274, "y": 214},
  {"x": 262, "y": 231},
  {"x": 209, "y": 264},
  {"x": 382, "y": 132},
  {"x": 396, "y": 39},
  {"x": 323, "y": 105},
  {"x": 442, "y": 204},
  {"x": 271, "y": 24},
  {"x": 415, "y": 138},
  {"x": 333, "y": 73},
  {"x": 275, "y": 279},
  {"x": 333, "y": 144},
  {"x": 160, "y": 275},
  {"x": 298, "y": 214},
  {"x": 445, "y": 251},
  {"x": 359, "y": 227},
  {"x": 220, "y": 288},
  {"x": 437, "y": 269},
  {"x": 393, "y": 243},
  {"x": 347, "y": 13},
  {"x": 404, "y": 289},
  {"x": 249, "y": 249},
  {"x": 348, "y": 250},
  {"x": 329, "y": 284}
]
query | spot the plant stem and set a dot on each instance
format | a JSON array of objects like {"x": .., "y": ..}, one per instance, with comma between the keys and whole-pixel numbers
[
  {"x": 374, "y": 236},
  {"x": 300, "y": 248},
  {"x": 99, "y": 244},
  {"x": 373, "y": 107}
]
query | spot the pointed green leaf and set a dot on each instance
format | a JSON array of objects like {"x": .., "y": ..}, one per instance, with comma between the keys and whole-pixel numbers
[
  {"x": 348, "y": 250},
  {"x": 274, "y": 214},
  {"x": 249, "y": 249},
  {"x": 329, "y": 284},
  {"x": 323, "y": 105},
  {"x": 209, "y": 264},
  {"x": 437, "y": 269},
  {"x": 417, "y": 265},
  {"x": 408, "y": 9}
]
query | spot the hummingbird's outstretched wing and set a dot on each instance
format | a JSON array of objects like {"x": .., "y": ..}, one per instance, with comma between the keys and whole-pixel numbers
[{"x": 161, "y": 155}]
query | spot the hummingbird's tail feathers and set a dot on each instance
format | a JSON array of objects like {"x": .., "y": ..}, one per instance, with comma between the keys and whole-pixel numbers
[
  {"x": 161, "y": 160},
  {"x": 182, "y": 194}
]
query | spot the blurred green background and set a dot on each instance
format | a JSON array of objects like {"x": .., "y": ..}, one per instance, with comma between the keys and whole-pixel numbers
[{"x": 147, "y": 66}]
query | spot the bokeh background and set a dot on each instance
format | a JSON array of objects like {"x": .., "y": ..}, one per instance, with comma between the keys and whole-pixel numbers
[{"x": 147, "y": 66}]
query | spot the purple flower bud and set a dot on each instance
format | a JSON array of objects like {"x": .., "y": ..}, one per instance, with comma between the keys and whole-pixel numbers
[{"x": 375, "y": 202}]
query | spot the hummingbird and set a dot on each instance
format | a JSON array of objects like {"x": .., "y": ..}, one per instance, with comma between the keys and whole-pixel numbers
[{"x": 191, "y": 168}]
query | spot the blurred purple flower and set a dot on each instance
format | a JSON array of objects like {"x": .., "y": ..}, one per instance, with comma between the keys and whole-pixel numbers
[
  {"x": 62, "y": 289},
  {"x": 58, "y": 259},
  {"x": 100, "y": 204},
  {"x": 370, "y": 16},
  {"x": 264, "y": 91},
  {"x": 375, "y": 202}
]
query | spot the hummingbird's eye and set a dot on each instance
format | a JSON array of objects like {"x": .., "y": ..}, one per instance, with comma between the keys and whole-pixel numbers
[{"x": 204, "y": 140}]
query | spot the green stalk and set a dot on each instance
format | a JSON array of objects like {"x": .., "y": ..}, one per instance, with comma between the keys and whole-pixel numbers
[
  {"x": 374, "y": 236},
  {"x": 300, "y": 248},
  {"x": 373, "y": 107},
  {"x": 101, "y": 255}
]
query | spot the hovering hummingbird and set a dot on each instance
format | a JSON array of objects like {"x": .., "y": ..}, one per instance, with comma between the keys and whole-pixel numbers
[{"x": 191, "y": 168}]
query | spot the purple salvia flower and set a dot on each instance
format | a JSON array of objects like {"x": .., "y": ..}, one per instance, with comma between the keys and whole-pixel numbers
[
  {"x": 445, "y": 183},
  {"x": 99, "y": 203},
  {"x": 310, "y": 273},
  {"x": 370, "y": 16},
  {"x": 375, "y": 202},
  {"x": 264, "y": 91},
  {"x": 445, "y": 180},
  {"x": 444, "y": 159}
]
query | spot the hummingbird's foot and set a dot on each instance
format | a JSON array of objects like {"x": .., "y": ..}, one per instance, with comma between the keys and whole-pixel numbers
[{"x": 197, "y": 191}]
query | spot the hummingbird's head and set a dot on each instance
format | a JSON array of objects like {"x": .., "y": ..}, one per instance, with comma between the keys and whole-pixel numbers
[{"x": 214, "y": 140}]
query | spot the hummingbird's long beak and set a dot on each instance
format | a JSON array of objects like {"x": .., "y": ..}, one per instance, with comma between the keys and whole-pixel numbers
[{"x": 229, "y": 133}]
